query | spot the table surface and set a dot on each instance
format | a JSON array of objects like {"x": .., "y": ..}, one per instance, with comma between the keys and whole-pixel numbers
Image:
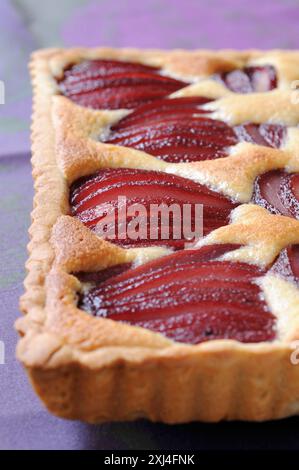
[{"x": 26, "y": 25}]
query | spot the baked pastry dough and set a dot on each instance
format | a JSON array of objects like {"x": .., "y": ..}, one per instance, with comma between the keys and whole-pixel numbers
[{"x": 97, "y": 369}]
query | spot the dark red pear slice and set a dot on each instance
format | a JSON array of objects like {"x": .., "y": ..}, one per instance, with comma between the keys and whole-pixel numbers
[
  {"x": 287, "y": 264},
  {"x": 110, "y": 84},
  {"x": 100, "y": 276},
  {"x": 249, "y": 79},
  {"x": 278, "y": 192},
  {"x": 293, "y": 256},
  {"x": 180, "y": 130},
  {"x": 190, "y": 296},
  {"x": 174, "y": 130},
  {"x": 90, "y": 197},
  {"x": 269, "y": 135},
  {"x": 169, "y": 108}
]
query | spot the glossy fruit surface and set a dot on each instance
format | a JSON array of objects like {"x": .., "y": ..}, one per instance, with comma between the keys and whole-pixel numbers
[
  {"x": 278, "y": 192},
  {"x": 180, "y": 130},
  {"x": 269, "y": 135},
  {"x": 249, "y": 79},
  {"x": 287, "y": 264},
  {"x": 189, "y": 296},
  {"x": 102, "y": 195},
  {"x": 112, "y": 84}
]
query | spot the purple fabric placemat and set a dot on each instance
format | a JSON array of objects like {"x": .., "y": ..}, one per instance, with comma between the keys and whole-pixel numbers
[{"x": 29, "y": 24}]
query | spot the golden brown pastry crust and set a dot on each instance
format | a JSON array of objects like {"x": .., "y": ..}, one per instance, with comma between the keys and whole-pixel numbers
[{"x": 95, "y": 369}]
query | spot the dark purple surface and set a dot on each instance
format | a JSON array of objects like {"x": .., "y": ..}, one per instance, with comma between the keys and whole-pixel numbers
[{"x": 25, "y": 424}]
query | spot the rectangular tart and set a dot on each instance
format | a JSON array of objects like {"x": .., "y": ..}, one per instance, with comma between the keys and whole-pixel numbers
[{"x": 121, "y": 327}]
